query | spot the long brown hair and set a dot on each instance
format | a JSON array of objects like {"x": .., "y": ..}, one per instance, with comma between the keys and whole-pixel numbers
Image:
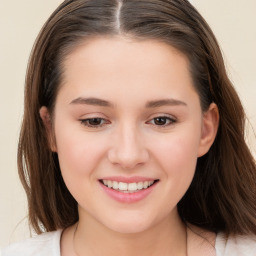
[{"x": 223, "y": 192}]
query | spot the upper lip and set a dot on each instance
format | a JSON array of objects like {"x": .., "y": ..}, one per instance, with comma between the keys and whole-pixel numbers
[{"x": 128, "y": 179}]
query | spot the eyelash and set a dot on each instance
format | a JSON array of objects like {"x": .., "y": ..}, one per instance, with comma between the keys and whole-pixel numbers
[
  {"x": 168, "y": 119},
  {"x": 86, "y": 122}
]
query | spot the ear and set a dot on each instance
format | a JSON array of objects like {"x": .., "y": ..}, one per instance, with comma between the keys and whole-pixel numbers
[
  {"x": 46, "y": 118},
  {"x": 210, "y": 126}
]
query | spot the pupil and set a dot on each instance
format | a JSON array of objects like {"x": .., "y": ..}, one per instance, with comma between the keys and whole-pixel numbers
[
  {"x": 95, "y": 121},
  {"x": 160, "y": 121}
]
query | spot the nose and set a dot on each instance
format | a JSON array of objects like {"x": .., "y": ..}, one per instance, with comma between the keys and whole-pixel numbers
[{"x": 128, "y": 148}]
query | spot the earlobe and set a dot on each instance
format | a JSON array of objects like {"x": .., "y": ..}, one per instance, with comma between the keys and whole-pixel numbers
[
  {"x": 210, "y": 126},
  {"x": 46, "y": 118}
]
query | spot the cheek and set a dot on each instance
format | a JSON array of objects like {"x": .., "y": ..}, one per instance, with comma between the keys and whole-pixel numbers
[
  {"x": 79, "y": 156},
  {"x": 177, "y": 153},
  {"x": 78, "y": 152}
]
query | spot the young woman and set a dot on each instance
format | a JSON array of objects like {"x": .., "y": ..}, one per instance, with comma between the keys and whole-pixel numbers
[{"x": 133, "y": 136}]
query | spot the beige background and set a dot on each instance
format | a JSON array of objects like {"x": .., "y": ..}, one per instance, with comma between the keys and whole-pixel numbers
[{"x": 233, "y": 22}]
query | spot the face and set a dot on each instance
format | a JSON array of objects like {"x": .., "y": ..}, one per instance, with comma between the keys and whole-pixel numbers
[{"x": 128, "y": 128}]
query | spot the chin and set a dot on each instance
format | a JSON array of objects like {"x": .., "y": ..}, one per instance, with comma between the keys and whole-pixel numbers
[{"x": 129, "y": 225}]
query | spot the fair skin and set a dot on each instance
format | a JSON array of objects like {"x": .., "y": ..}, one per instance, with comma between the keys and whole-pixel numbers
[{"x": 148, "y": 125}]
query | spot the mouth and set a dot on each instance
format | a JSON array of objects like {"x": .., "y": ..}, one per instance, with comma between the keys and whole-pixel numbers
[{"x": 133, "y": 187}]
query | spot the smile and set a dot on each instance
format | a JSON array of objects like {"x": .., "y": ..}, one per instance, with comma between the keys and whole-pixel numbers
[{"x": 128, "y": 187}]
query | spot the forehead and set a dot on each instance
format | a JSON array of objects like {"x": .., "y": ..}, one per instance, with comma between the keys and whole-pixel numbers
[
  {"x": 105, "y": 64},
  {"x": 119, "y": 52}
]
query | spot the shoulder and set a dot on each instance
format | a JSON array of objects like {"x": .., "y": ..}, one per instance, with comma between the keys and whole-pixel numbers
[
  {"x": 235, "y": 245},
  {"x": 42, "y": 245}
]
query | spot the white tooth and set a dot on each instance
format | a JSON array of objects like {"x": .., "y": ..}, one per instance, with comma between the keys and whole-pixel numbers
[
  {"x": 132, "y": 186},
  {"x": 122, "y": 186},
  {"x": 110, "y": 184},
  {"x": 127, "y": 186},
  {"x": 140, "y": 185},
  {"x": 115, "y": 185},
  {"x": 145, "y": 184}
]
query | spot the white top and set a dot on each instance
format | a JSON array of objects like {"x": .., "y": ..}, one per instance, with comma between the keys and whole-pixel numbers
[
  {"x": 49, "y": 244},
  {"x": 46, "y": 244},
  {"x": 235, "y": 245}
]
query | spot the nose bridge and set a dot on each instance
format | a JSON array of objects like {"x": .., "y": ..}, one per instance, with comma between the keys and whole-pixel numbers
[
  {"x": 128, "y": 149},
  {"x": 130, "y": 143}
]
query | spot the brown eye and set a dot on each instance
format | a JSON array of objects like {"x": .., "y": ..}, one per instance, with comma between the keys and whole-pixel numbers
[
  {"x": 94, "y": 122},
  {"x": 160, "y": 120}
]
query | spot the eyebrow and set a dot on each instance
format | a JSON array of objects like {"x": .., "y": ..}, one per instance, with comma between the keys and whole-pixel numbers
[
  {"x": 164, "y": 102},
  {"x": 92, "y": 101},
  {"x": 149, "y": 104}
]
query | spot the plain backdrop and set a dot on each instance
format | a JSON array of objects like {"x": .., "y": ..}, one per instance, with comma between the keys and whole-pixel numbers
[{"x": 233, "y": 22}]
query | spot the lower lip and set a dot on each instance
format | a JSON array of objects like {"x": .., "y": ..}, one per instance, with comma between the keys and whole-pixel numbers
[{"x": 128, "y": 197}]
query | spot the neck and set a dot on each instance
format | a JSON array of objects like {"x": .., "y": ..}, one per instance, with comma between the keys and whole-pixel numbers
[{"x": 165, "y": 238}]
